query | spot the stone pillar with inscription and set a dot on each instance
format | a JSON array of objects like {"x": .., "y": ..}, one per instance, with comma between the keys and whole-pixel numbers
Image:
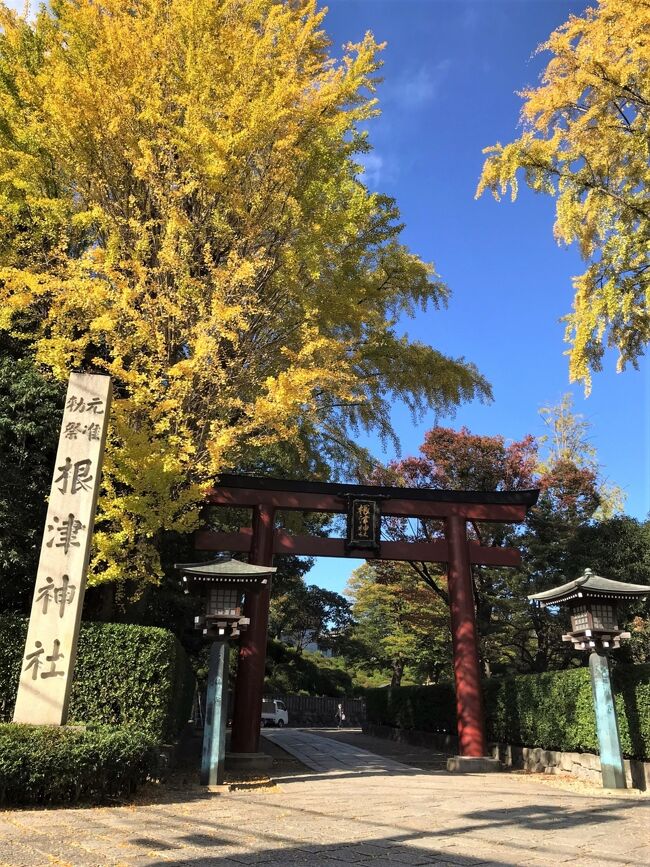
[{"x": 48, "y": 663}]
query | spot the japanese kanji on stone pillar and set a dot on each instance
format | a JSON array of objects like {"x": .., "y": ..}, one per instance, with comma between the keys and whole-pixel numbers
[{"x": 48, "y": 663}]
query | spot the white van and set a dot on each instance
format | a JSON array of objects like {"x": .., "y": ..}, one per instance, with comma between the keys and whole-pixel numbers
[{"x": 274, "y": 713}]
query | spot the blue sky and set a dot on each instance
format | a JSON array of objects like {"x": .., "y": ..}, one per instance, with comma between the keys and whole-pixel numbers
[{"x": 451, "y": 72}]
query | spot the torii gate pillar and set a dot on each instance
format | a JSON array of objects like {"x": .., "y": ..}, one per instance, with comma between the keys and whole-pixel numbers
[
  {"x": 464, "y": 634},
  {"x": 252, "y": 644}
]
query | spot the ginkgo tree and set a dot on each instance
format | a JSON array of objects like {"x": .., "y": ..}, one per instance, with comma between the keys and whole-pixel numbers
[
  {"x": 585, "y": 141},
  {"x": 182, "y": 207}
]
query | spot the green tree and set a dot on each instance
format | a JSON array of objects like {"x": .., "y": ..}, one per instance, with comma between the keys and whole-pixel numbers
[
  {"x": 30, "y": 415},
  {"x": 574, "y": 499},
  {"x": 290, "y": 671},
  {"x": 303, "y": 614},
  {"x": 401, "y": 625},
  {"x": 568, "y": 501},
  {"x": 619, "y": 548},
  {"x": 585, "y": 141}
]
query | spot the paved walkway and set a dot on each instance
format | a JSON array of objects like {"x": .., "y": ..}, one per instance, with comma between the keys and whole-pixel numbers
[
  {"x": 355, "y": 809},
  {"x": 331, "y": 756}
]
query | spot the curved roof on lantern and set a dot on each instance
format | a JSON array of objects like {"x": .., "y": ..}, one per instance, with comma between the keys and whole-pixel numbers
[
  {"x": 590, "y": 585},
  {"x": 225, "y": 566}
]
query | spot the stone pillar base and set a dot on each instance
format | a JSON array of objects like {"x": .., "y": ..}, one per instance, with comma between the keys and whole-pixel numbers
[
  {"x": 473, "y": 764},
  {"x": 248, "y": 762}
]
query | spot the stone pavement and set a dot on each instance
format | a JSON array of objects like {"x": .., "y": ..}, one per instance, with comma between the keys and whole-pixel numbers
[
  {"x": 320, "y": 754},
  {"x": 356, "y": 809}
]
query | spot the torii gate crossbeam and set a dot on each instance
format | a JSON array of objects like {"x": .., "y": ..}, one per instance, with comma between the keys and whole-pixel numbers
[{"x": 261, "y": 541}]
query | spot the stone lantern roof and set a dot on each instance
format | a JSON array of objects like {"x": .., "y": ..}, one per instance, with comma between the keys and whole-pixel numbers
[
  {"x": 592, "y": 586},
  {"x": 225, "y": 569}
]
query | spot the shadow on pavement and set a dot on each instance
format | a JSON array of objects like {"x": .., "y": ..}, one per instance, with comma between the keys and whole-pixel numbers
[
  {"x": 204, "y": 851},
  {"x": 383, "y": 842},
  {"x": 381, "y": 852},
  {"x": 546, "y": 818},
  {"x": 226, "y": 831},
  {"x": 307, "y": 775},
  {"x": 414, "y": 848}
]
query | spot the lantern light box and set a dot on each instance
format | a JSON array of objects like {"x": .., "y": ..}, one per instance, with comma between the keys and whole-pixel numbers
[{"x": 223, "y": 583}]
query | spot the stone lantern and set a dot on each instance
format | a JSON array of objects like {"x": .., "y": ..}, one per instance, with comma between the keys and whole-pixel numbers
[
  {"x": 593, "y": 607},
  {"x": 222, "y": 584}
]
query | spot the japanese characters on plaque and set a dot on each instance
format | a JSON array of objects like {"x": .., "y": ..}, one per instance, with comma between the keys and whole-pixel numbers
[
  {"x": 50, "y": 649},
  {"x": 364, "y": 524}
]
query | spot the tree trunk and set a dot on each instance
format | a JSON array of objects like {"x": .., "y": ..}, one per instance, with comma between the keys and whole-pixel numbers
[
  {"x": 398, "y": 671},
  {"x": 540, "y": 626}
]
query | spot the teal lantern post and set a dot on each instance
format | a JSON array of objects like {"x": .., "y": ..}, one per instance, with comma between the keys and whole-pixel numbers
[
  {"x": 593, "y": 603},
  {"x": 222, "y": 583}
]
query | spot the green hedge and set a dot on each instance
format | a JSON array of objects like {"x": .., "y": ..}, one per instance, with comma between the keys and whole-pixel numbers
[
  {"x": 632, "y": 688},
  {"x": 426, "y": 708},
  {"x": 124, "y": 675},
  {"x": 553, "y": 710},
  {"x": 48, "y": 765}
]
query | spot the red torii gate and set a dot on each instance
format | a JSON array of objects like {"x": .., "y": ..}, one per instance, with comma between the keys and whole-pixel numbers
[{"x": 265, "y": 496}]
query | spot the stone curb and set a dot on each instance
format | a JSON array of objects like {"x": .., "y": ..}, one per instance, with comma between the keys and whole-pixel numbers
[{"x": 584, "y": 766}]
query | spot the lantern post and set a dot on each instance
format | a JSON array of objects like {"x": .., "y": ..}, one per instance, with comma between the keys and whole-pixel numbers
[
  {"x": 593, "y": 605},
  {"x": 222, "y": 583}
]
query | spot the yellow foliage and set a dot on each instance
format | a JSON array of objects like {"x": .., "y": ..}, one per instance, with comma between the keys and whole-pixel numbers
[
  {"x": 181, "y": 208},
  {"x": 586, "y": 141}
]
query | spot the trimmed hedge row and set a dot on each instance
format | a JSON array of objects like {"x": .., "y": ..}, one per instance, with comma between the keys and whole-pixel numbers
[
  {"x": 553, "y": 710},
  {"x": 425, "y": 708},
  {"x": 125, "y": 675},
  {"x": 50, "y": 765}
]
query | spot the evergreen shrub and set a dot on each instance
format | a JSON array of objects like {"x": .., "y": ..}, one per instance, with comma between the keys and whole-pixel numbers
[
  {"x": 632, "y": 690},
  {"x": 426, "y": 708},
  {"x": 553, "y": 710},
  {"x": 42, "y": 765},
  {"x": 125, "y": 675}
]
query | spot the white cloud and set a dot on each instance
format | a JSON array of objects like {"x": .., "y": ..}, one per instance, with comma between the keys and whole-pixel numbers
[
  {"x": 373, "y": 168},
  {"x": 470, "y": 17},
  {"x": 419, "y": 86}
]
